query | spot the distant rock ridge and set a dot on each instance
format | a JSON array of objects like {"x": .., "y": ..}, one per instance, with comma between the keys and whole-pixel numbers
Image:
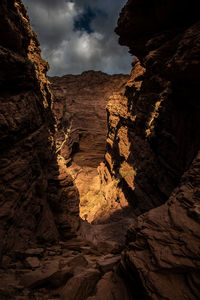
[
  {"x": 80, "y": 109},
  {"x": 79, "y": 106}
]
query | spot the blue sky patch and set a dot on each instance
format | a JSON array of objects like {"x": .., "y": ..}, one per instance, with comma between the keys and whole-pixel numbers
[{"x": 84, "y": 20}]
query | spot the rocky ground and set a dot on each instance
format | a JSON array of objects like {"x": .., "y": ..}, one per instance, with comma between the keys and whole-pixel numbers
[{"x": 70, "y": 270}]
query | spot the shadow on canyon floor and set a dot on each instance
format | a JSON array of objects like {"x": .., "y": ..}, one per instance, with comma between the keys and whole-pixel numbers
[{"x": 112, "y": 230}]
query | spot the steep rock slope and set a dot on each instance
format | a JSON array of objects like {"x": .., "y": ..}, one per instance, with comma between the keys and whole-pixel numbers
[
  {"x": 152, "y": 148},
  {"x": 79, "y": 106},
  {"x": 163, "y": 257},
  {"x": 29, "y": 171},
  {"x": 154, "y": 122}
]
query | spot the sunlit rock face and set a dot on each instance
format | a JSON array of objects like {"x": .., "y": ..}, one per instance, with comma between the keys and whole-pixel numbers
[
  {"x": 80, "y": 109},
  {"x": 152, "y": 148},
  {"x": 154, "y": 122},
  {"x": 29, "y": 171},
  {"x": 79, "y": 106},
  {"x": 26, "y": 126}
]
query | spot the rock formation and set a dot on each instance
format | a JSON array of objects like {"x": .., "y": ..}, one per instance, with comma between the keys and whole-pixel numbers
[
  {"x": 26, "y": 125},
  {"x": 151, "y": 165},
  {"x": 152, "y": 148},
  {"x": 29, "y": 173},
  {"x": 39, "y": 202},
  {"x": 79, "y": 107},
  {"x": 154, "y": 123}
]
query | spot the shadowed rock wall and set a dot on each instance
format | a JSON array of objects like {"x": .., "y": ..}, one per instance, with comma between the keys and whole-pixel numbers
[
  {"x": 152, "y": 147},
  {"x": 29, "y": 172},
  {"x": 154, "y": 122}
]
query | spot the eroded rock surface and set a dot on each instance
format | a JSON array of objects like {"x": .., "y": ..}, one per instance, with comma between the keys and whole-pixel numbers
[
  {"x": 39, "y": 201},
  {"x": 70, "y": 270},
  {"x": 154, "y": 125},
  {"x": 152, "y": 160},
  {"x": 26, "y": 129},
  {"x": 152, "y": 148},
  {"x": 79, "y": 106},
  {"x": 36, "y": 189},
  {"x": 164, "y": 244}
]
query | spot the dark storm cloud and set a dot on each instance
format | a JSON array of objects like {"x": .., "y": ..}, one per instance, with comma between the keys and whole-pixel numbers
[
  {"x": 83, "y": 21},
  {"x": 79, "y": 35}
]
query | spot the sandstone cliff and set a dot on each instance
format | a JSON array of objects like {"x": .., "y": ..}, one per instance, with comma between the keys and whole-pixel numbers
[
  {"x": 29, "y": 171},
  {"x": 152, "y": 148},
  {"x": 79, "y": 107},
  {"x": 26, "y": 125},
  {"x": 154, "y": 123}
]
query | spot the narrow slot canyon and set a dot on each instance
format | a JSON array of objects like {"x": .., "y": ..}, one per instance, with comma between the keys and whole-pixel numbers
[
  {"x": 100, "y": 173},
  {"x": 80, "y": 111},
  {"x": 80, "y": 108}
]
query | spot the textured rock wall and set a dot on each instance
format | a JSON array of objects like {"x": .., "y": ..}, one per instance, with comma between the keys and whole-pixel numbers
[
  {"x": 152, "y": 148},
  {"x": 28, "y": 165},
  {"x": 154, "y": 122},
  {"x": 79, "y": 106},
  {"x": 163, "y": 255}
]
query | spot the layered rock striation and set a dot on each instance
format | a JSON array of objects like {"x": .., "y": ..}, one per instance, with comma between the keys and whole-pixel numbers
[
  {"x": 79, "y": 107},
  {"x": 154, "y": 122},
  {"x": 29, "y": 171},
  {"x": 162, "y": 259},
  {"x": 26, "y": 126},
  {"x": 152, "y": 148}
]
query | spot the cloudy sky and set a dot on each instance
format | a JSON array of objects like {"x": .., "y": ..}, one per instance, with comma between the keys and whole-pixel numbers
[{"x": 78, "y": 35}]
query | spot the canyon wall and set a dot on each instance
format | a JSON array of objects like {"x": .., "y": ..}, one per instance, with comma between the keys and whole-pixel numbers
[
  {"x": 152, "y": 148},
  {"x": 79, "y": 106},
  {"x": 152, "y": 160},
  {"x": 29, "y": 170},
  {"x": 154, "y": 122}
]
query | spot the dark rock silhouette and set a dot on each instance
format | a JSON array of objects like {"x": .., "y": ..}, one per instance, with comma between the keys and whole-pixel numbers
[
  {"x": 30, "y": 174},
  {"x": 156, "y": 136},
  {"x": 27, "y": 128}
]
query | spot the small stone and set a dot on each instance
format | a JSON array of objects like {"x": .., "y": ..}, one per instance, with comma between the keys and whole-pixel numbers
[
  {"x": 78, "y": 261},
  {"x": 6, "y": 261},
  {"x": 81, "y": 285},
  {"x": 40, "y": 276},
  {"x": 107, "y": 265},
  {"x": 33, "y": 262},
  {"x": 34, "y": 252}
]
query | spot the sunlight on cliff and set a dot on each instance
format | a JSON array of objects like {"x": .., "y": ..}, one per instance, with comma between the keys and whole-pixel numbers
[
  {"x": 154, "y": 116},
  {"x": 128, "y": 173}
]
